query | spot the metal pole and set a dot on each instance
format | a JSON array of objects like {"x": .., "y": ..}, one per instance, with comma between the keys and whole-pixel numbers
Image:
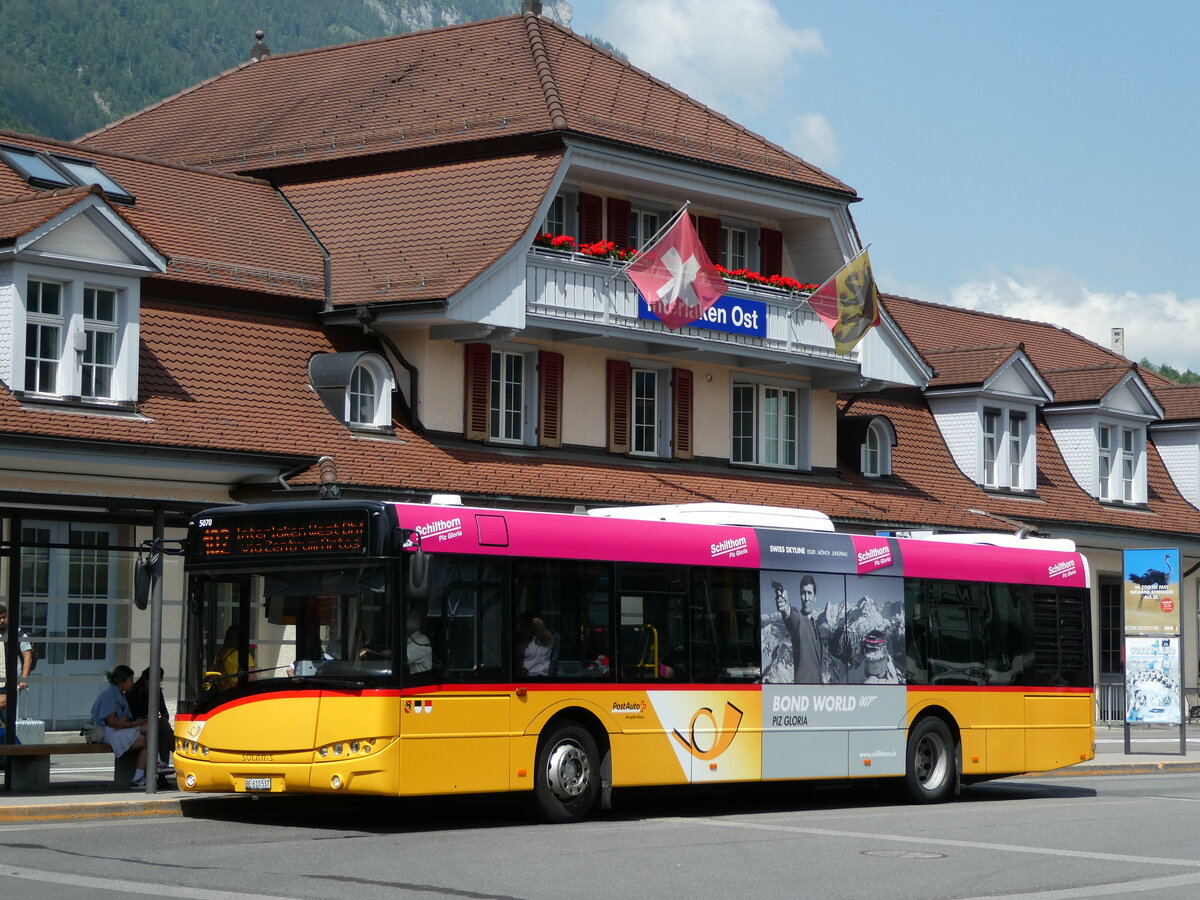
[
  {"x": 152, "y": 710},
  {"x": 9, "y": 649}
]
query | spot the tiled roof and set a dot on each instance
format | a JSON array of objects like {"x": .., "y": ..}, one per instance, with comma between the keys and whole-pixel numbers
[
  {"x": 22, "y": 214},
  {"x": 967, "y": 366},
  {"x": 411, "y": 235},
  {"x": 1180, "y": 401},
  {"x": 215, "y": 229},
  {"x": 1086, "y": 384},
  {"x": 933, "y": 327},
  {"x": 515, "y": 76}
]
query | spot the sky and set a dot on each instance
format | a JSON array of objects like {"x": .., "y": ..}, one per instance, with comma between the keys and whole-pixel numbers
[{"x": 1033, "y": 158}]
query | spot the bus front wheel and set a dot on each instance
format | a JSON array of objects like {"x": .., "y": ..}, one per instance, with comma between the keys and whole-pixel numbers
[
  {"x": 568, "y": 774},
  {"x": 931, "y": 766}
]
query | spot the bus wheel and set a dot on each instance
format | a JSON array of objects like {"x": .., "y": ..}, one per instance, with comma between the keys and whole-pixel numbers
[
  {"x": 568, "y": 774},
  {"x": 930, "y": 771}
]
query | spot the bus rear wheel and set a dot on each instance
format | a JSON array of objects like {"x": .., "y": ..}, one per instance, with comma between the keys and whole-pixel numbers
[
  {"x": 567, "y": 775},
  {"x": 930, "y": 772}
]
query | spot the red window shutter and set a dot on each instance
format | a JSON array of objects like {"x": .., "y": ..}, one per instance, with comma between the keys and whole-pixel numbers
[
  {"x": 591, "y": 218},
  {"x": 770, "y": 245},
  {"x": 477, "y": 381},
  {"x": 681, "y": 409},
  {"x": 709, "y": 230},
  {"x": 618, "y": 221},
  {"x": 550, "y": 397},
  {"x": 619, "y": 376}
]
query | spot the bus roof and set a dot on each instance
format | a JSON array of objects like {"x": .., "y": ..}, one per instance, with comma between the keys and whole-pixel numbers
[{"x": 747, "y": 514}]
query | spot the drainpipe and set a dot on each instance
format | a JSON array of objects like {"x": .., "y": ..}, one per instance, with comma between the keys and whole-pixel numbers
[{"x": 366, "y": 318}]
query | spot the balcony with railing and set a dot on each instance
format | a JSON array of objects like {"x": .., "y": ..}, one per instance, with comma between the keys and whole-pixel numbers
[{"x": 576, "y": 291}]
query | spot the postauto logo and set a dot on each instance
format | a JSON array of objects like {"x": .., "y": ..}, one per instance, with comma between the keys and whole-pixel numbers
[{"x": 708, "y": 722}]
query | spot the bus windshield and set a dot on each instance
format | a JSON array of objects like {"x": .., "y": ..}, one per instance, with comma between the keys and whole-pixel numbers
[{"x": 250, "y": 631}]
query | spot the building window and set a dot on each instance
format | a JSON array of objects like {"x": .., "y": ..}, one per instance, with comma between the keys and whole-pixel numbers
[
  {"x": 1005, "y": 448},
  {"x": 991, "y": 445},
  {"x": 1119, "y": 471},
  {"x": 1111, "y": 609},
  {"x": 1128, "y": 464},
  {"x": 556, "y": 217},
  {"x": 77, "y": 342},
  {"x": 1016, "y": 449},
  {"x": 733, "y": 248},
  {"x": 513, "y": 396},
  {"x": 1105, "y": 459},
  {"x": 362, "y": 397},
  {"x": 52, "y": 170},
  {"x": 645, "y": 411},
  {"x": 44, "y": 325},
  {"x": 100, "y": 327},
  {"x": 642, "y": 227},
  {"x": 876, "y": 450},
  {"x": 506, "y": 398},
  {"x": 765, "y": 426}
]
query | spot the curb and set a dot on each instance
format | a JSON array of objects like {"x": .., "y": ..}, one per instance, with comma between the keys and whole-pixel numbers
[{"x": 88, "y": 811}]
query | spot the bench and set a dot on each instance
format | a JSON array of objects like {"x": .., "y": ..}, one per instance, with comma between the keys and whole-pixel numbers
[{"x": 31, "y": 763}]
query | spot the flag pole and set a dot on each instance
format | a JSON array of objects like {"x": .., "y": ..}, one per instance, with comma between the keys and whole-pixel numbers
[{"x": 650, "y": 243}]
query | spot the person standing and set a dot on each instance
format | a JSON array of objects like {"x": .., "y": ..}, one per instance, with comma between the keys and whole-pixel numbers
[
  {"x": 24, "y": 654},
  {"x": 807, "y": 652}
]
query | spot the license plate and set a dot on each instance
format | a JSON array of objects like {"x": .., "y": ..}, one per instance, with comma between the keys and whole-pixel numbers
[{"x": 258, "y": 784}]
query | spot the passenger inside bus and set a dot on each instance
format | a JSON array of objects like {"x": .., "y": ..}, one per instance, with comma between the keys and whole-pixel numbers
[
  {"x": 418, "y": 653},
  {"x": 226, "y": 662},
  {"x": 535, "y": 645}
]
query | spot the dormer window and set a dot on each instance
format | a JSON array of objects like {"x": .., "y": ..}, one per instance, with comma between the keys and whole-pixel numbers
[
  {"x": 355, "y": 387},
  {"x": 1006, "y": 449},
  {"x": 876, "y": 449},
  {"x": 1118, "y": 460},
  {"x": 79, "y": 342}
]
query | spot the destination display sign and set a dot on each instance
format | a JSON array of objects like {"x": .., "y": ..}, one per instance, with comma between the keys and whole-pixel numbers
[{"x": 299, "y": 534}]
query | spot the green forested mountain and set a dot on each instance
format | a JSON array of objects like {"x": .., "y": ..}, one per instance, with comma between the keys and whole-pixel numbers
[{"x": 70, "y": 66}]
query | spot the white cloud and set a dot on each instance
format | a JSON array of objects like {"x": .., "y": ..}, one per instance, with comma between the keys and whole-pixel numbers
[
  {"x": 811, "y": 137},
  {"x": 733, "y": 57},
  {"x": 1155, "y": 324}
]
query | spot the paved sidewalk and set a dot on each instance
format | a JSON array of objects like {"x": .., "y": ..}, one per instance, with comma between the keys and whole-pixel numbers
[{"x": 86, "y": 791}]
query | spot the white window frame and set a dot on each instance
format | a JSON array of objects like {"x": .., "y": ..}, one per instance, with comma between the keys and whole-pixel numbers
[
  {"x": 1104, "y": 461},
  {"x": 1120, "y": 462},
  {"x": 379, "y": 398},
  {"x": 875, "y": 452},
  {"x": 735, "y": 248},
  {"x": 654, "y": 429},
  {"x": 555, "y": 222},
  {"x": 768, "y": 441},
  {"x": 1006, "y": 448},
  {"x": 526, "y": 414},
  {"x": 78, "y": 335},
  {"x": 643, "y": 225}
]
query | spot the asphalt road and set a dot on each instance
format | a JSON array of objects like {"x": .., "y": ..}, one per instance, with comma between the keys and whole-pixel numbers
[{"x": 1098, "y": 836}]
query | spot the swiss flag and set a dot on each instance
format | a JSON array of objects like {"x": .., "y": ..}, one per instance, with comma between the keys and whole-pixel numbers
[{"x": 675, "y": 276}]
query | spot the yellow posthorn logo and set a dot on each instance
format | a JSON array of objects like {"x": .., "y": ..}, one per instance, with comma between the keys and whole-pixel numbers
[{"x": 724, "y": 735}]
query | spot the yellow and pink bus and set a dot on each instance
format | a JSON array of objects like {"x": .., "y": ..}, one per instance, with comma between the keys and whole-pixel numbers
[{"x": 403, "y": 649}]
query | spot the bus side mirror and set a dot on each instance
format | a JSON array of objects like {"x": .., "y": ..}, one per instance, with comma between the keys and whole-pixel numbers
[{"x": 418, "y": 575}]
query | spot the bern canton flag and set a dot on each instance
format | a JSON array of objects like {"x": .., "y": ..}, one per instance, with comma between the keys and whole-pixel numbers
[
  {"x": 848, "y": 303},
  {"x": 676, "y": 277}
]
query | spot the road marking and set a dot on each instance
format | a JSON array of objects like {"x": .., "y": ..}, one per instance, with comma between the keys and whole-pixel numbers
[
  {"x": 1180, "y": 799},
  {"x": 947, "y": 842},
  {"x": 133, "y": 887},
  {"x": 1102, "y": 890}
]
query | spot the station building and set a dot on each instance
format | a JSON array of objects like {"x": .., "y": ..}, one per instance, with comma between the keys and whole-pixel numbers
[{"x": 343, "y": 273}]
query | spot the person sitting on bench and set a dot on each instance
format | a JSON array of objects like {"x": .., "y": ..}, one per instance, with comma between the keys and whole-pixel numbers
[{"x": 122, "y": 731}]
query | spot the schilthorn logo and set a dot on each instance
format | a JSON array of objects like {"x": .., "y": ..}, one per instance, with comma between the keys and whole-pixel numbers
[
  {"x": 731, "y": 547},
  {"x": 881, "y": 556},
  {"x": 433, "y": 529},
  {"x": 1064, "y": 569}
]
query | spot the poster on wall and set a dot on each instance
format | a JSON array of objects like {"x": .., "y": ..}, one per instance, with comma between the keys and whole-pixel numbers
[
  {"x": 1151, "y": 591},
  {"x": 1152, "y": 678}
]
